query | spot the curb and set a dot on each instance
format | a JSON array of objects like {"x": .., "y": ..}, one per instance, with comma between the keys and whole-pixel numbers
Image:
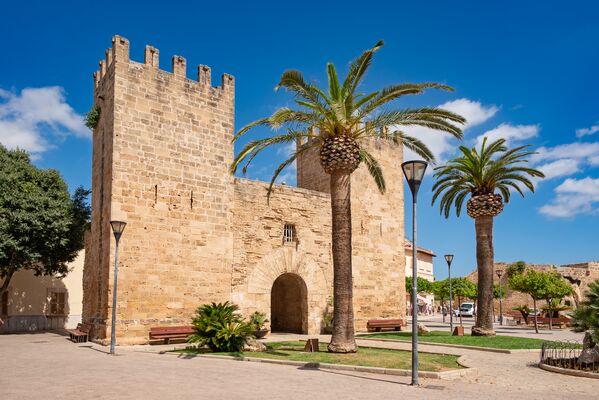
[
  {"x": 448, "y": 375},
  {"x": 572, "y": 372},
  {"x": 457, "y": 346}
]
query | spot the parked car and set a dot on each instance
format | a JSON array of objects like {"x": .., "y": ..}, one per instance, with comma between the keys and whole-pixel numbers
[{"x": 467, "y": 310}]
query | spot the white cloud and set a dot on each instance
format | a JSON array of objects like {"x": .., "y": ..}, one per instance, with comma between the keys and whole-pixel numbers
[
  {"x": 576, "y": 150},
  {"x": 587, "y": 131},
  {"x": 511, "y": 133},
  {"x": 558, "y": 168},
  {"x": 474, "y": 112},
  {"x": 286, "y": 149},
  {"x": 34, "y": 118},
  {"x": 441, "y": 143},
  {"x": 288, "y": 176},
  {"x": 574, "y": 197},
  {"x": 566, "y": 159}
]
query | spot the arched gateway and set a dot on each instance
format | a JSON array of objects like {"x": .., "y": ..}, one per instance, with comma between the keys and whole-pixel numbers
[
  {"x": 289, "y": 304},
  {"x": 290, "y": 288}
]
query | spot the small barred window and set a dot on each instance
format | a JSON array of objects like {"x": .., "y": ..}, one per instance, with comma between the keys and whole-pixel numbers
[{"x": 289, "y": 233}]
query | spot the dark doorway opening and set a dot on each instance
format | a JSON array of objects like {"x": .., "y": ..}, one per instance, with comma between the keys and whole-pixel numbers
[{"x": 289, "y": 304}]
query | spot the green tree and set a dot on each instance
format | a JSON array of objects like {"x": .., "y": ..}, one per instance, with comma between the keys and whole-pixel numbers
[
  {"x": 540, "y": 285},
  {"x": 423, "y": 285},
  {"x": 586, "y": 316},
  {"x": 41, "y": 227},
  {"x": 516, "y": 268},
  {"x": 440, "y": 290},
  {"x": 336, "y": 122},
  {"x": 557, "y": 289},
  {"x": 479, "y": 174}
]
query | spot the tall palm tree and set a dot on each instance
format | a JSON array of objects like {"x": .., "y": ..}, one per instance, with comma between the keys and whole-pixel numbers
[
  {"x": 335, "y": 123},
  {"x": 480, "y": 174}
]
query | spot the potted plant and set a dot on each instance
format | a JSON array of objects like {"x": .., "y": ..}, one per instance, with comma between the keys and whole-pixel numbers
[{"x": 257, "y": 321}]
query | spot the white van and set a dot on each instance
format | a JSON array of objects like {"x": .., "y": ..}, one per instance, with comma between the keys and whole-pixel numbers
[{"x": 466, "y": 310}]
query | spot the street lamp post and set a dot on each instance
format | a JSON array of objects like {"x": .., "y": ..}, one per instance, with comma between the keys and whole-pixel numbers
[
  {"x": 414, "y": 172},
  {"x": 117, "y": 229},
  {"x": 449, "y": 259},
  {"x": 499, "y": 272}
]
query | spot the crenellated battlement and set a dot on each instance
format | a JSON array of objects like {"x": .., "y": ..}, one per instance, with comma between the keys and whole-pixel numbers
[{"x": 119, "y": 52}]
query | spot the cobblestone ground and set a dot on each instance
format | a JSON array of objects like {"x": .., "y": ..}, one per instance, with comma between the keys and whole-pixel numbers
[{"x": 48, "y": 366}]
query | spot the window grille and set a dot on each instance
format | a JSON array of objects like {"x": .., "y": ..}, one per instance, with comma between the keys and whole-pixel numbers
[
  {"x": 58, "y": 303},
  {"x": 289, "y": 233}
]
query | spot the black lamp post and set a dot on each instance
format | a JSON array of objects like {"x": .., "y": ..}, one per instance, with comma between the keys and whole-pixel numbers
[
  {"x": 499, "y": 272},
  {"x": 414, "y": 172},
  {"x": 449, "y": 259},
  {"x": 117, "y": 229}
]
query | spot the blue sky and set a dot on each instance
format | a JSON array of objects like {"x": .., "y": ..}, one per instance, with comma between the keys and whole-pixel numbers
[{"x": 527, "y": 71}]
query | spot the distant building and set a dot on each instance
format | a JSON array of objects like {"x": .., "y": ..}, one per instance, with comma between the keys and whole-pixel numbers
[
  {"x": 35, "y": 303},
  {"x": 425, "y": 270},
  {"x": 578, "y": 275}
]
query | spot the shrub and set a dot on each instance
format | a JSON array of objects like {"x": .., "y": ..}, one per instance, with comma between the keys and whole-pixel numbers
[
  {"x": 524, "y": 310},
  {"x": 586, "y": 316},
  {"x": 219, "y": 326},
  {"x": 92, "y": 118},
  {"x": 257, "y": 320}
]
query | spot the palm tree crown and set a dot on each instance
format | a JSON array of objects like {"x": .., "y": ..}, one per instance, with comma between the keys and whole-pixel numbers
[
  {"x": 476, "y": 173},
  {"x": 342, "y": 116}
]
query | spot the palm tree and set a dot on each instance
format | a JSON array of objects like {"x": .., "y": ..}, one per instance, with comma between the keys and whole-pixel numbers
[
  {"x": 336, "y": 123},
  {"x": 480, "y": 174}
]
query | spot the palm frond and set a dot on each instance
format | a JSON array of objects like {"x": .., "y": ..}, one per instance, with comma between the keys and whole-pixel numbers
[{"x": 492, "y": 168}]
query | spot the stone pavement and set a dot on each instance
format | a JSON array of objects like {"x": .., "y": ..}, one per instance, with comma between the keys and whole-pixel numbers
[{"x": 48, "y": 366}]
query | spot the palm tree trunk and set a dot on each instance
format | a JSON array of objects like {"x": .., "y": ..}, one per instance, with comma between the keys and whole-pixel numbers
[
  {"x": 484, "y": 259},
  {"x": 342, "y": 340}
]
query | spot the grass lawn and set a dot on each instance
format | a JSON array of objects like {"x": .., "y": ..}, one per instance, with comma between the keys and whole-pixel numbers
[
  {"x": 494, "y": 342},
  {"x": 367, "y": 357}
]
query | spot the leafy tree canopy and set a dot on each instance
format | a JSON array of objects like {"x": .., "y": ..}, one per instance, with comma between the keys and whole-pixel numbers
[
  {"x": 462, "y": 287},
  {"x": 41, "y": 226},
  {"x": 424, "y": 286},
  {"x": 516, "y": 268},
  {"x": 540, "y": 285}
]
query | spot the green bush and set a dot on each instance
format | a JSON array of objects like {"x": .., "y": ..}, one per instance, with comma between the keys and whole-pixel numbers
[
  {"x": 586, "y": 316},
  {"x": 219, "y": 326},
  {"x": 257, "y": 320},
  {"x": 92, "y": 117}
]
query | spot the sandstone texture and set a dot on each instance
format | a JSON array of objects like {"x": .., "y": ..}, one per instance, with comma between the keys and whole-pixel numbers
[{"x": 195, "y": 234}]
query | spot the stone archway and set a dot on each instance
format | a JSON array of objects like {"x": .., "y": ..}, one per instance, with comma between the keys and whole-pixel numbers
[
  {"x": 289, "y": 304},
  {"x": 288, "y": 262}
]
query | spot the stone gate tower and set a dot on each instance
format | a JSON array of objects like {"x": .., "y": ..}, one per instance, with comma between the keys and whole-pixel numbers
[{"x": 195, "y": 234}]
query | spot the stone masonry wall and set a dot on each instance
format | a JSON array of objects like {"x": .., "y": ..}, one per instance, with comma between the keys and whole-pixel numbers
[
  {"x": 170, "y": 182},
  {"x": 195, "y": 234},
  {"x": 261, "y": 256},
  {"x": 377, "y": 231}
]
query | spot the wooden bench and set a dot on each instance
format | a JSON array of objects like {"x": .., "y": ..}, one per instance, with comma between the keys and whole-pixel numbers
[
  {"x": 81, "y": 333},
  {"x": 167, "y": 333},
  {"x": 560, "y": 321},
  {"x": 377, "y": 325}
]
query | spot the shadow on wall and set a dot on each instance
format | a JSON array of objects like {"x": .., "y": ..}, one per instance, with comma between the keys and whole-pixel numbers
[{"x": 35, "y": 303}]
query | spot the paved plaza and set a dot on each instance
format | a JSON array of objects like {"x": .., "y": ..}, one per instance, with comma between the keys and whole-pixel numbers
[{"x": 49, "y": 366}]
